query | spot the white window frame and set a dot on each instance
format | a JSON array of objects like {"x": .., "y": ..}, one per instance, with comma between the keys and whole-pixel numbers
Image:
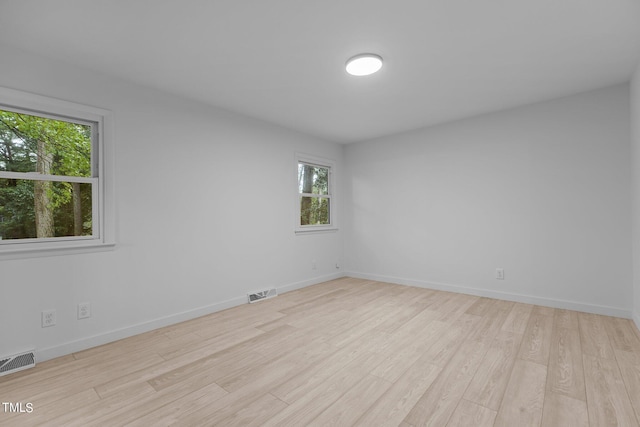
[
  {"x": 323, "y": 163},
  {"x": 102, "y": 177}
]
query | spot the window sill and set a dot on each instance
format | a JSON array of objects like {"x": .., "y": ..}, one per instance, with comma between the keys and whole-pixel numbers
[
  {"x": 38, "y": 251},
  {"x": 304, "y": 231}
]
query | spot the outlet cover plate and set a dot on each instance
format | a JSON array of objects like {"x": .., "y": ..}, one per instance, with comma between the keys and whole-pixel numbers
[
  {"x": 84, "y": 310},
  {"x": 48, "y": 318}
]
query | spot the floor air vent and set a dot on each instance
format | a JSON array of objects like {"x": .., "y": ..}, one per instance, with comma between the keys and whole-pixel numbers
[
  {"x": 11, "y": 364},
  {"x": 258, "y": 296}
]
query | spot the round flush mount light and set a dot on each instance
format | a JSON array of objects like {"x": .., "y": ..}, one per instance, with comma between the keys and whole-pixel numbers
[{"x": 364, "y": 64}]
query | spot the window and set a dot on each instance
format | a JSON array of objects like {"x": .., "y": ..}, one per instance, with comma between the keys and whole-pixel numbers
[
  {"x": 52, "y": 188},
  {"x": 314, "y": 202}
]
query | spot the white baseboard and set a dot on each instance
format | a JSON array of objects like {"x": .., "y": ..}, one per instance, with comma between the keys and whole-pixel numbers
[
  {"x": 309, "y": 282},
  {"x": 528, "y": 299},
  {"x": 118, "y": 334}
]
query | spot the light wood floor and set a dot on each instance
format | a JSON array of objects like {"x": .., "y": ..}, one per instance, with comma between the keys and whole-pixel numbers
[{"x": 350, "y": 352}]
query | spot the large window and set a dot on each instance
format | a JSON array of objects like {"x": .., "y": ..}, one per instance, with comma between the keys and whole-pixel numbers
[
  {"x": 315, "y": 207},
  {"x": 52, "y": 192}
]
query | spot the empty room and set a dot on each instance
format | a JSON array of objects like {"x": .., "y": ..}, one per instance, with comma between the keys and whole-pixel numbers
[{"x": 289, "y": 213}]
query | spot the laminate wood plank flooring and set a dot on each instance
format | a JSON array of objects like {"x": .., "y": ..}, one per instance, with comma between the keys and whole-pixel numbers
[
  {"x": 564, "y": 411},
  {"x": 491, "y": 379},
  {"x": 470, "y": 414},
  {"x": 630, "y": 369},
  {"x": 349, "y": 352},
  {"x": 606, "y": 388},
  {"x": 523, "y": 399},
  {"x": 566, "y": 375}
]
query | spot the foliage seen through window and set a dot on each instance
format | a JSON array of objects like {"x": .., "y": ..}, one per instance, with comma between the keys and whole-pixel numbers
[
  {"x": 45, "y": 177},
  {"x": 315, "y": 197}
]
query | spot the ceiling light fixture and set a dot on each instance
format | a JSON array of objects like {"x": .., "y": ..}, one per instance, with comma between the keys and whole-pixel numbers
[{"x": 364, "y": 64}]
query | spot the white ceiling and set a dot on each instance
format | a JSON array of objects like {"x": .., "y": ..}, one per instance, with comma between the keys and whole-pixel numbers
[{"x": 283, "y": 60}]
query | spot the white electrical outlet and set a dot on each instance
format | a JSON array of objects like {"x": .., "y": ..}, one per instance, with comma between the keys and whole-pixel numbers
[
  {"x": 48, "y": 318},
  {"x": 84, "y": 310},
  {"x": 500, "y": 273}
]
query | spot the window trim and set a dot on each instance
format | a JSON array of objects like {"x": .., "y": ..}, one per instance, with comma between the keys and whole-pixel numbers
[
  {"x": 323, "y": 163},
  {"x": 102, "y": 158}
]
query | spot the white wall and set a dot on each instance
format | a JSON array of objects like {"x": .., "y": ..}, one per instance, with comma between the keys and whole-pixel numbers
[
  {"x": 541, "y": 191},
  {"x": 205, "y": 213},
  {"x": 635, "y": 165}
]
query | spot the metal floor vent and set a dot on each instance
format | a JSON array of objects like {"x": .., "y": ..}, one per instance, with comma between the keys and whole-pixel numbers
[
  {"x": 258, "y": 296},
  {"x": 18, "y": 362}
]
